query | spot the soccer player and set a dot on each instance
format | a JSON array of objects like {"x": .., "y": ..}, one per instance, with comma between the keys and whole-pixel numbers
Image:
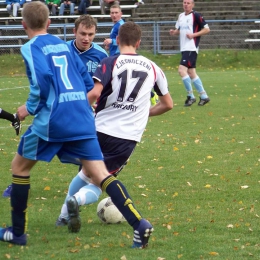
[
  {"x": 122, "y": 87},
  {"x": 116, "y": 16},
  {"x": 59, "y": 83},
  {"x": 13, "y": 118},
  {"x": 90, "y": 53},
  {"x": 190, "y": 26}
]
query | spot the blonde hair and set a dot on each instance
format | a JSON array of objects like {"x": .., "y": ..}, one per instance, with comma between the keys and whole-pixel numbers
[{"x": 35, "y": 14}]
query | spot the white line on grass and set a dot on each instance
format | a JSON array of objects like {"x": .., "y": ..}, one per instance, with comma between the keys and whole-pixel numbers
[{"x": 13, "y": 88}]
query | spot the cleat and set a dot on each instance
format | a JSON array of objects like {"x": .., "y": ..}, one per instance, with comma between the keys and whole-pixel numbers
[
  {"x": 189, "y": 101},
  {"x": 17, "y": 124},
  {"x": 74, "y": 222},
  {"x": 142, "y": 234},
  {"x": 7, "y": 191},
  {"x": 204, "y": 101},
  {"x": 60, "y": 222},
  {"x": 7, "y": 235}
]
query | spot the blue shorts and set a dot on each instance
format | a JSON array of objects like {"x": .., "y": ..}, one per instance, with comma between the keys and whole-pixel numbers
[
  {"x": 116, "y": 152},
  {"x": 34, "y": 148},
  {"x": 188, "y": 59}
]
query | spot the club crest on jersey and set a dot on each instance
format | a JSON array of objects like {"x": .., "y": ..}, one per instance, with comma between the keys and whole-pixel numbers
[{"x": 118, "y": 105}]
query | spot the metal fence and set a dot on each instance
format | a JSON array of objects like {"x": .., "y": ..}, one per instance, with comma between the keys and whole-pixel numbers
[{"x": 224, "y": 34}]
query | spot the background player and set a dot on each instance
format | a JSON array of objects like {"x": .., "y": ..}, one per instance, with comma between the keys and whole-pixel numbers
[
  {"x": 90, "y": 53},
  {"x": 190, "y": 26}
]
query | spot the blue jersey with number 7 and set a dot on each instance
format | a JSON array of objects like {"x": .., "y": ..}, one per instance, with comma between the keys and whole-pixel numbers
[{"x": 59, "y": 82}]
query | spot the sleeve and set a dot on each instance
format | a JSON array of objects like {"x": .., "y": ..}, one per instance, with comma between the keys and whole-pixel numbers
[
  {"x": 115, "y": 33},
  {"x": 104, "y": 70},
  {"x": 177, "y": 25},
  {"x": 161, "y": 83},
  {"x": 39, "y": 77},
  {"x": 200, "y": 20}
]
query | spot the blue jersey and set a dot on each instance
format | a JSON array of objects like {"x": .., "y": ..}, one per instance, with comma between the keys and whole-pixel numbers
[
  {"x": 113, "y": 48},
  {"x": 91, "y": 57},
  {"x": 59, "y": 82}
]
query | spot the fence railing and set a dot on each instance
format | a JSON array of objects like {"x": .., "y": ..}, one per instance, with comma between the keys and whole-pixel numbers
[{"x": 224, "y": 34}]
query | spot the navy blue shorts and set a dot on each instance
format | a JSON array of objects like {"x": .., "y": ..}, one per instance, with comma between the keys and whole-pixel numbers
[
  {"x": 34, "y": 148},
  {"x": 116, "y": 151},
  {"x": 188, "y": 59}
]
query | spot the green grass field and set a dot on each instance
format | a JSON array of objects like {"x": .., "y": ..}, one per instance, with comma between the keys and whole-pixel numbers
[{"x": 194, "y": 175}]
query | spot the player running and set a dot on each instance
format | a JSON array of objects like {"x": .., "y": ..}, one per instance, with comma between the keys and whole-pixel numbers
[{"x": 122, "y": 86}]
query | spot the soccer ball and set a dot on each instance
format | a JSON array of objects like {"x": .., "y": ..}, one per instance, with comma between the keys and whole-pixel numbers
[{"x": 108, "y": 212}]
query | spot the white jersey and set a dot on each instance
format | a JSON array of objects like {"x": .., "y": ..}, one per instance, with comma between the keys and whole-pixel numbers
[
  {"x": 124, "y": 104},
  {"x": 191, "y": 23}
]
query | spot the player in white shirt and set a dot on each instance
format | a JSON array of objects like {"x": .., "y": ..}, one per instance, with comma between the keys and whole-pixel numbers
[
  {"x": 122, "y": 87},
  {"x": 190, "y": 26}
]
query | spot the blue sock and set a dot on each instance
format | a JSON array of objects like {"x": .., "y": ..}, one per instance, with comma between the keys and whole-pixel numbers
[
  {"x": 199, "y": 87},
  {"x": 187, "y": 84},
  {"x": 120, "y": 197},
  {"x": 79, "y": 181},
  {"x": 88, "y": 194}
]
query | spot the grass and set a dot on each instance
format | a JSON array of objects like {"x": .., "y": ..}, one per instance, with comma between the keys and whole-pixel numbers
[{"x": 194, "y": 175}]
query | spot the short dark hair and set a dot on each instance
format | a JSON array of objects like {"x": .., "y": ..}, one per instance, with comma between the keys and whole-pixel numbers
[
  {"x": 86, "y": 20},
  {"x": 129, "y": 34}
]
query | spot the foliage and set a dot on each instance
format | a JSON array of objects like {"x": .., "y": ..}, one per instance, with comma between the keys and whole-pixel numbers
[{"x": 194, "y": 176}]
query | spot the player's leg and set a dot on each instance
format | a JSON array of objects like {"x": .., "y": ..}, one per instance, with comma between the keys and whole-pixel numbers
[
  {"x": 196, "y": 80},
  {"x": 122, "y": 200},
  {"x": 116, "y": 152},
  {"x": 19, "y": 198},
  {"x": 90, "y": 154},
  {"x": 183, "y": 72},
  {"x": 86, "y": 195},
  {"x": 30, "y": 150}
]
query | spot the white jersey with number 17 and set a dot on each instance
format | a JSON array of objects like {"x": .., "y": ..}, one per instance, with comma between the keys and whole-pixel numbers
[{"x": 123, "y": 107}]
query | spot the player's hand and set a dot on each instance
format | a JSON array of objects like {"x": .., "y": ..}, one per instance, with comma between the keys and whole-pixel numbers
[
  {"x": 171, "y": 32},
  {"x": 189, "y": 36},
  {"x": 107, "y": 41},
  {"x": 22, "y": 112}
]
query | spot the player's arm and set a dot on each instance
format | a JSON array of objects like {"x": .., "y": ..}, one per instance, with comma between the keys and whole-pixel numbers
[
  {"x": 203, "y": 31},
  {"x": 39, "y": 77},
  {"x": 94, "y": 94},
  {"x": 174, "y": 32},
  {"x": 161, "y": 88},
  {"x": 165, "y": 104}
]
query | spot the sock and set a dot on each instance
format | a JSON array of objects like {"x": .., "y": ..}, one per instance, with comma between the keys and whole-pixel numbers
[
  {"x": 6, "y": 115},
  {"x": 79, "y": 181},
  {"x": 120, "y": 197},
  {"x": 199, "y": 87},
  {"x": 187, "y": 84},
  {"x": 19, "y": 199},
  {"x": 88, "y": 194}
]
